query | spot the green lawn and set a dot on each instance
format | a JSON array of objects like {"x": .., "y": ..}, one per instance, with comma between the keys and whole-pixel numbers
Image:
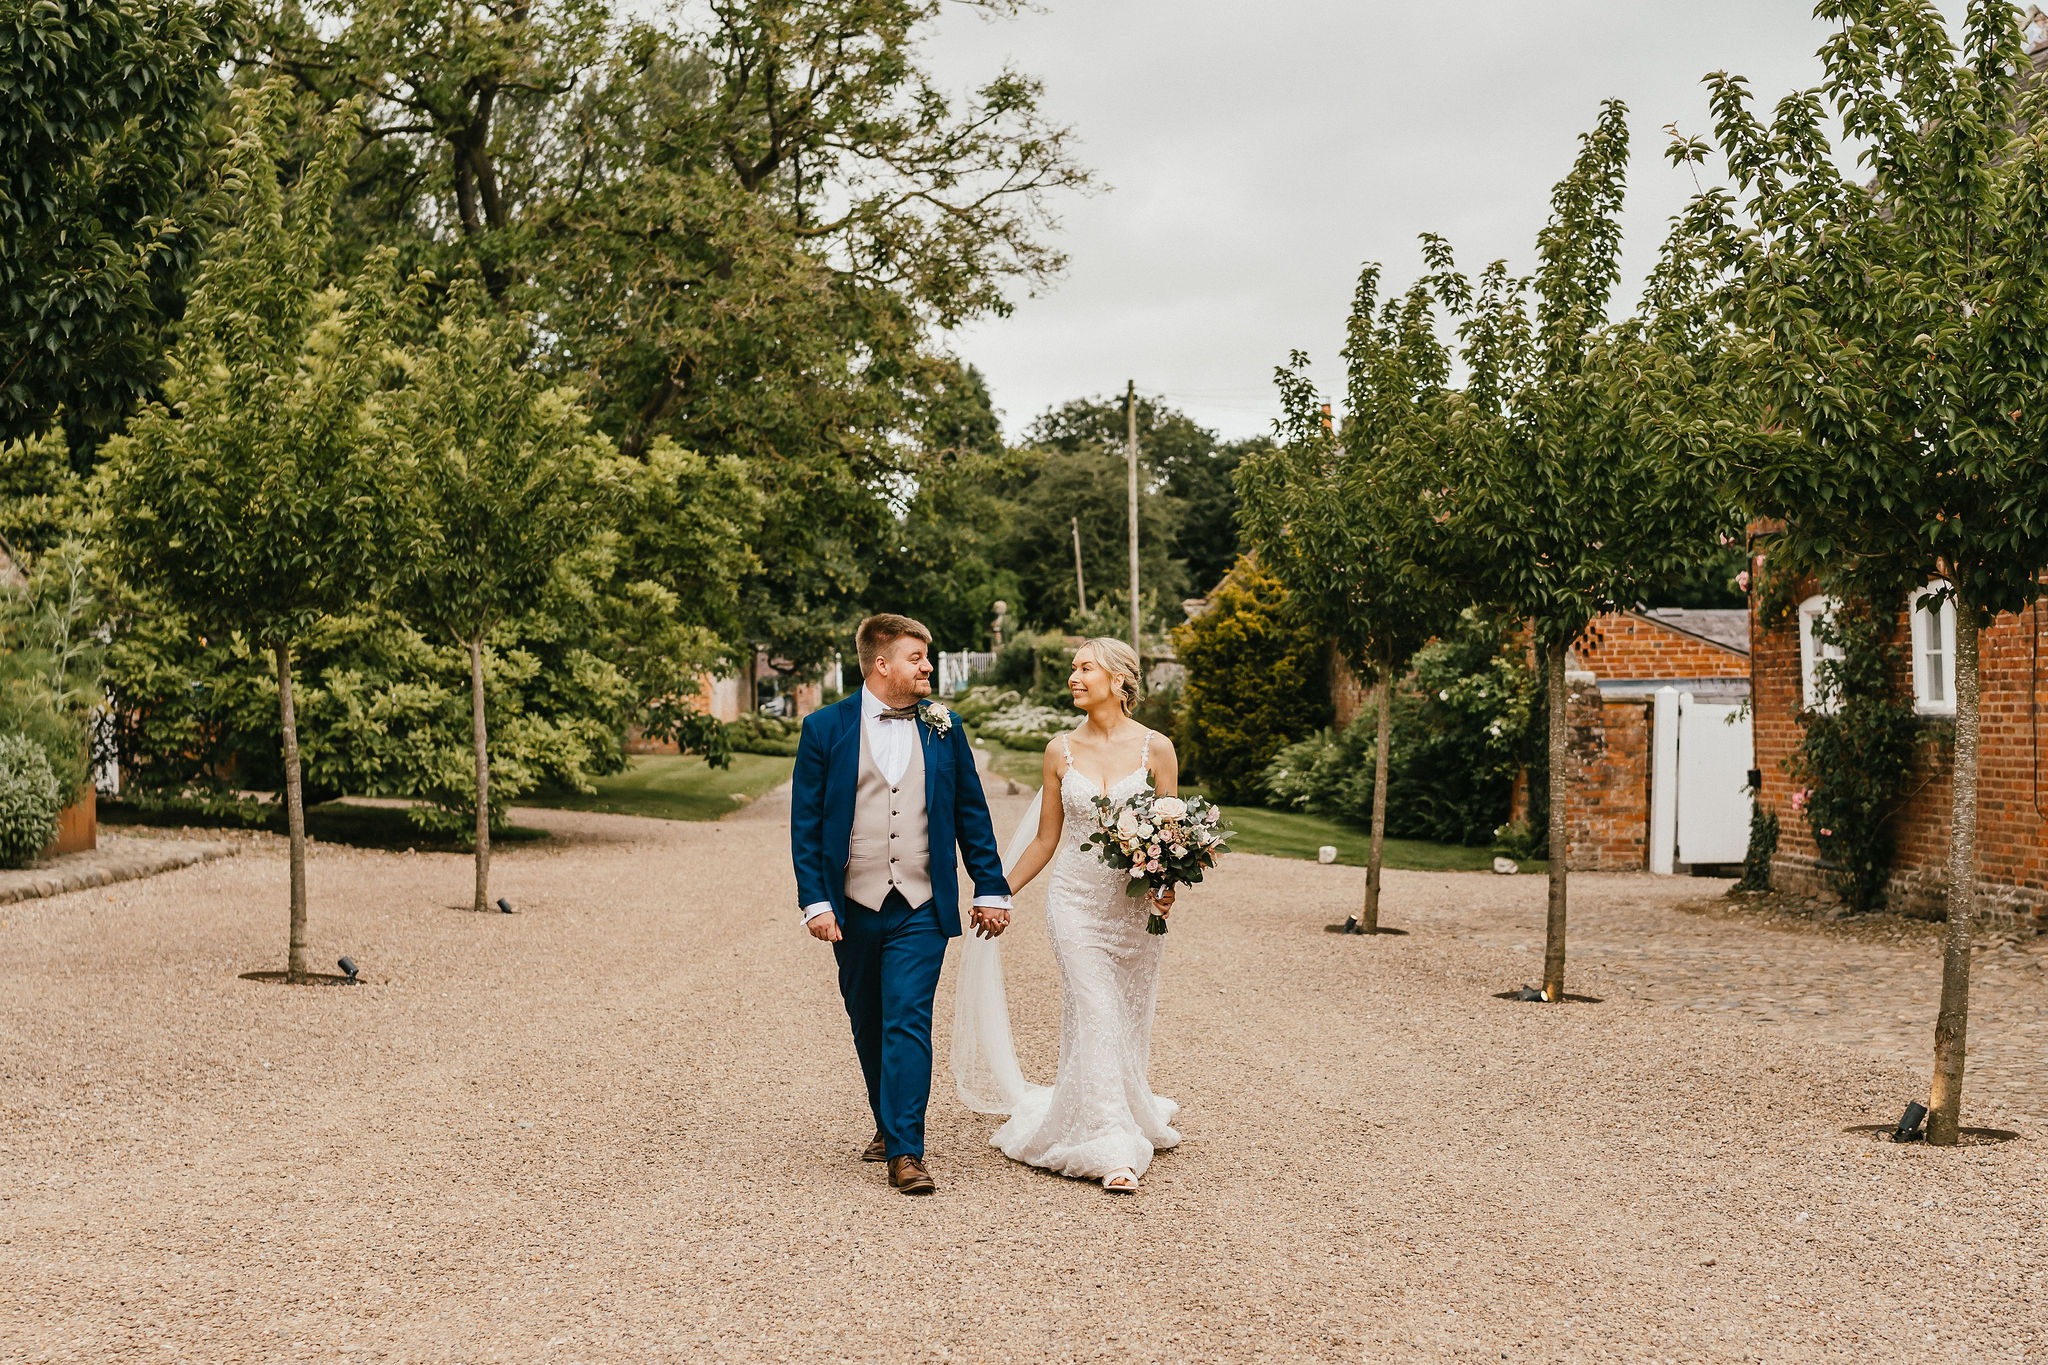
[
  {"x": 331, "y": 822},
  {"x": 1288, "y": 834},
  {"x": 668, "y": 787},
  {"x": 1016, "y": 764}
]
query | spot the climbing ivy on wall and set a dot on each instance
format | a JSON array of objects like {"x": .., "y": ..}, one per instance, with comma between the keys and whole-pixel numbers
[{"x": 1854, "y": 758}]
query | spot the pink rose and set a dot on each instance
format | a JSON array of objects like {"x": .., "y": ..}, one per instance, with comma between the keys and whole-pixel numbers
[{"x": 1742, "y": 580}]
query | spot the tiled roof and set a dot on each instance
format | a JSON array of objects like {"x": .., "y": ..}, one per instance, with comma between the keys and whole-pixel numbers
[{"x": 1724, "y": 626}]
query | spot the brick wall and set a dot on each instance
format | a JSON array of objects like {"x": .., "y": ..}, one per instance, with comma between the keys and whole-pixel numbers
[
  {"x": 1350, "y": 698},
  {"x": 2012, "y": 781},
  {"x": 1608, "y": 817},
  {"x": 1624, "y": 645}
]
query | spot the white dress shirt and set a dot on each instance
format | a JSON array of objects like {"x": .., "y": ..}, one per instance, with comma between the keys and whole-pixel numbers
[{"x": 891, "y": 741}]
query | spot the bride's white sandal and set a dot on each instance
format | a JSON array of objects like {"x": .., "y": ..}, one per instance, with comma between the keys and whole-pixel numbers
[{"x": 1122, "y": 1180}]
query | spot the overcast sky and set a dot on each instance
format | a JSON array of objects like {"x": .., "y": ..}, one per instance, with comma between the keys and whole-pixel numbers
[{"x": 1257, "y": 151}]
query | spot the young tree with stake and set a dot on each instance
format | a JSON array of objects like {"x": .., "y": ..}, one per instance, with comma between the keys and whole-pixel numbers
[
  {"x": 255, "y": 496},
  {"x": 1895, "y": 328},
  {"x": 1327, "y": 519}
]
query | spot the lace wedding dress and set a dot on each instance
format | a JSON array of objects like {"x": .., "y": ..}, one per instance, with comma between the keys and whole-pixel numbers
[{"x": 1100, "y": 1114}]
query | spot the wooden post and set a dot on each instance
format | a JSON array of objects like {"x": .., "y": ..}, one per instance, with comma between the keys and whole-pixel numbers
[
  {"x": 1131, "y": 453},
  {"x": 1080, "y": 583}
]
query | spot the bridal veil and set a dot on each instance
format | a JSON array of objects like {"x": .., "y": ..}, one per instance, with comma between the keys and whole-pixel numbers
[{"x": 985, "y": 1069}]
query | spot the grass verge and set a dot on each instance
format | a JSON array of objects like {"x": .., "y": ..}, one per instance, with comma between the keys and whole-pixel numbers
[
  {"x": 331, "y": 822},
  {"x": 1015, "y": 764},
  {"x": 1290, "y": 834},
  {"x": 672, "y": 787}
]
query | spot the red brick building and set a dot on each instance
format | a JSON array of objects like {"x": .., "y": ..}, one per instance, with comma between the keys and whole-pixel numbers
[
  {"x": 2012, "y": 783},
  {"x": 1615, "y": 671}
]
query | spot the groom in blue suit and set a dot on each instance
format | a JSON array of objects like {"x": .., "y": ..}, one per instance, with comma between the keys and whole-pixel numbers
[{"x": 885, "y": 789}]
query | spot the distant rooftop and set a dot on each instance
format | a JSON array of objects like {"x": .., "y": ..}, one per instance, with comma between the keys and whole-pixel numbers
[{"x": 1725, "y": 626}]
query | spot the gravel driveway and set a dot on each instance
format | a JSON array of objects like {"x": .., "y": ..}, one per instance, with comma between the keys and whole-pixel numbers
[{"x": 621, "y": 1126}]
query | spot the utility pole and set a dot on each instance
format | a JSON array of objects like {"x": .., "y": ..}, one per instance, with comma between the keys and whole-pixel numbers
[
  {"x": 1080, "y": 584},
  {"x": 1131, "y": 450}
]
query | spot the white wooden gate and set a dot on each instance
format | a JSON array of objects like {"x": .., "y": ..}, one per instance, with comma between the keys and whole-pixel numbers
[{"x": 1699, "y": 783}]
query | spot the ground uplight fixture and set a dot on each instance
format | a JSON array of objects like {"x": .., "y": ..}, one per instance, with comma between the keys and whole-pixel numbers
[
  {"x": 505, "y": 906},
  {"x": 1909, "y": 1123},
  {"x": 350, "y": 970}
]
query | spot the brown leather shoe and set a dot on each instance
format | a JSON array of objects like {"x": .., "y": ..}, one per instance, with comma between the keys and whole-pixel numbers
[
  {"x": 877, "y": 1150},
  {"x": 907, "y": 1173}
]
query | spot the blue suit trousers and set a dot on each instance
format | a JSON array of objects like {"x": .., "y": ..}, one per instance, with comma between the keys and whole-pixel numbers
[{"x": 889, "y": 962}]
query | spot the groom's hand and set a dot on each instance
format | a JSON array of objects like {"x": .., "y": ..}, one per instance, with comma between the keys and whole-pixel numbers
[
  {"x": 990, "y": 920},
  {"x": 826, "y": 927}
]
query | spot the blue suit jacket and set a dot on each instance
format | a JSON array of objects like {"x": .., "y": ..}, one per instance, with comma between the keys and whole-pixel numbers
[{"x": 821, "y": 812}]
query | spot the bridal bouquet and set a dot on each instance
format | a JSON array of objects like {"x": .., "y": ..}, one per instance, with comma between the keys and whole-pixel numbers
[{"x": 1158, "y": 842}]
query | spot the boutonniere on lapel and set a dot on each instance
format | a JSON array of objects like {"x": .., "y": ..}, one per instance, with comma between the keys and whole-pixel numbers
[{"x": 936, "y": 718}]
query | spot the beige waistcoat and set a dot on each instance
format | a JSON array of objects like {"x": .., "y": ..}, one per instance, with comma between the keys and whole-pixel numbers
[{"x": 890, "y": 844}]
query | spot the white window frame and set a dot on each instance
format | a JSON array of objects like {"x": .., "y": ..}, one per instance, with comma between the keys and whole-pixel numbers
[
  {"x": 1934, "y": 692},
  {"x": 1811, "y": 652}
]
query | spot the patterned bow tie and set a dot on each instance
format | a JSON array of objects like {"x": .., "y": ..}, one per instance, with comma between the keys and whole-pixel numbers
[{"x": 898, "y": 713}]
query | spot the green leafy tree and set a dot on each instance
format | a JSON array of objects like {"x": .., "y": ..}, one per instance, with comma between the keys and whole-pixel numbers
[
  {"x": 744, "y": 228},
  {"x": 1461, "y": 731},
  {"x": 256, "y": 495},
  {"x": 1257, "y": 681},
  {"x": 1544, "y": 475},
  {"x": 1333, "y": 522},
  {"x": 944, "y": 568},
  {"x": 105, "y": 115},
  {"x": 1057, "y": 491},
  {"x": 1894, "y": 324},
  {"x": 1187, "y": 479},
  {"x": 51, "y": 655},
  {"x": 506, "y": 473}
]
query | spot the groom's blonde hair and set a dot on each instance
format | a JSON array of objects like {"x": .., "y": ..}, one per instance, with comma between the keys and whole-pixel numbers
[
  {"x": 880, "y": 631},
  {"x": 1120, "y": 661}
]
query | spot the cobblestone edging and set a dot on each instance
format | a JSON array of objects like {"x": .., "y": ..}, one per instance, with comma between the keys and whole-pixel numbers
[{"x": 117, "y": 859}]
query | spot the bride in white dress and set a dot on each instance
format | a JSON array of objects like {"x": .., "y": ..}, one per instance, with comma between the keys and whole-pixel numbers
[{"x": 1099, "y": 1119}]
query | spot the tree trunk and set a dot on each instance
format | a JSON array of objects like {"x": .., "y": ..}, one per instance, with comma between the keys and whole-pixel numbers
[
  {"x": 1560, "y": 787},
  {"x": 294, "y": 816},
  {"x": 1951, "y": 1025},
  {"x": 483, "y": 776},
  {"x": 1384, "y": 704}
]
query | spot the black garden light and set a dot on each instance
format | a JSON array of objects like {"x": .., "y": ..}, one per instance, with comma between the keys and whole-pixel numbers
[
  {"x": 1909, "y": 1123},
  {"x": 350, "y": 970},
  {"x": 505, "y": 906}
]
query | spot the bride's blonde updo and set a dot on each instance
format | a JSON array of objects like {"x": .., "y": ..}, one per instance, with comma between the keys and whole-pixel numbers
[{"x": 1120, "y": 661}]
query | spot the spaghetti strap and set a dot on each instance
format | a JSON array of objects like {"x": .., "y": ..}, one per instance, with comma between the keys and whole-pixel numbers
[
  {"x": 1069, "y": 751},
  {"x": 1145, "y": 754}
]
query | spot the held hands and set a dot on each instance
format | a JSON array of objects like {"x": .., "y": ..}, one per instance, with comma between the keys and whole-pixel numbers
[
  {"x": 826, "y": 927},
  {"x": 990, "y": 921}
]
